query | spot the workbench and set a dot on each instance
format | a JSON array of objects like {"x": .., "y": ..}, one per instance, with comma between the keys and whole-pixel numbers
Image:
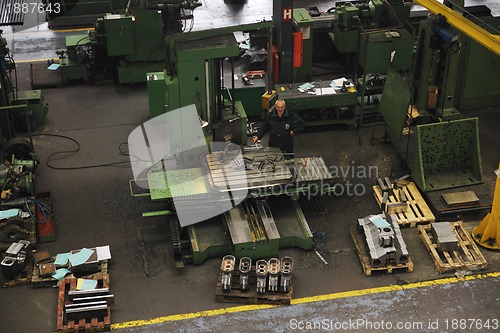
[{"x": 324, "y": 106}]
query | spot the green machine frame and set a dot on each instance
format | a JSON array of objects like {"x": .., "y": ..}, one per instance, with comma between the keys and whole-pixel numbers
[{"x": 440, "y": 155}]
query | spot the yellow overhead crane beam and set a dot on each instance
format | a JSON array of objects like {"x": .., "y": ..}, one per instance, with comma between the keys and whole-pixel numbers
[{"x": 488, "y": 40}]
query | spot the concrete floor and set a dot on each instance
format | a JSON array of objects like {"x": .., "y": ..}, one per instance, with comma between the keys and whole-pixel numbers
[{"x": 93, "y": 207}]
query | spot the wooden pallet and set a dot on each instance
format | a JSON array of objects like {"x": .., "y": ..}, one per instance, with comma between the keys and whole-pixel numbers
[
  {"x": 366, "y": 263},
  {"x": 466, "y": 257},
  {"x": 95, "y": 324},
  {"x": 418, "y": 212},
  {"x": 251, "y": 296},
  {"x": 49, "y": 281},
  {"x": 24, "y": 278}
]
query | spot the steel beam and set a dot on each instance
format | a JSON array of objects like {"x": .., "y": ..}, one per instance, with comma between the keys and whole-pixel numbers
[{"x": 488, "y": 40}]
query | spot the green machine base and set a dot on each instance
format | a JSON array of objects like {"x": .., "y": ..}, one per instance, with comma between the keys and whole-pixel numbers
[
  {"x": 210, "y": 239},
  {"x": 136, "y": 72}
]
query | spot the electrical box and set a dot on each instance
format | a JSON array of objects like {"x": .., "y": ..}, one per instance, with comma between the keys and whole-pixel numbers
[
  {"x": 120, "y": 34},
  {"x": 156, "y": 93},
  {"x": 376, "y": 50}
]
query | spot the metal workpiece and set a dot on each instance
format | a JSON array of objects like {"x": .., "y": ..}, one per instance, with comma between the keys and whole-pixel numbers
[
  {"x": 261, "y": 168},
  {"x": 87, "y": 293},
  {"x": 311, "y": 169},
  {"x": 274, "y": 270},
  {"x": 86, "y": 311},
  {"x": 16, "y": 258},
  {"x": 80, "y": 305},
  {"x": 261, "y": 270},
  {"x": 244, "y": 267},
  {"x": 109, "y": 299},
  {"x": 227, "y": 269},
  {"x": 444, "y": 236},
  {"x": 383, "y": 239},
  {"x": 286, "y": 273}
]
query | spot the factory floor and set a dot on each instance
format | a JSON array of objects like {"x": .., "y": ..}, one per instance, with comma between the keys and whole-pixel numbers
[{"x": 94, "y": 207}]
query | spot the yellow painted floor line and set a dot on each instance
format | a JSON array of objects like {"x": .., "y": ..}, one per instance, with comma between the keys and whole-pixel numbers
[
  {"x": 311, "y": 299},
  {"x": 26, "y": 32},
  {"x": 35, "y": 60},
  {"x": 73, "y": 30}
]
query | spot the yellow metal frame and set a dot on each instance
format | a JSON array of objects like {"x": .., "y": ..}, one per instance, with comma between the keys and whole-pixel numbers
[
  {"x": 488, "y": 40},
  {"x": 487, "y": 233}
]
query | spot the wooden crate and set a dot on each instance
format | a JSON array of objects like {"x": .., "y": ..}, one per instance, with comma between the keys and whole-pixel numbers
[
  {"x": 466, "y": 257},
  {"x": 365, "y": 261},
  {"x": 418, "y": 212},
  {"x": 251, "y": 296},
  {"x": 95, "y": 324}
]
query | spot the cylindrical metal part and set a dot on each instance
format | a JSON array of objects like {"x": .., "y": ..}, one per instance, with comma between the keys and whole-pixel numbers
[
  {"x": 245, "y": 267},
  {"x": 274, "y": 271},
  {"x": 227, "y": 268},
  {"x": 261, "y": 271},
  {"x": 286, "y": 273}
]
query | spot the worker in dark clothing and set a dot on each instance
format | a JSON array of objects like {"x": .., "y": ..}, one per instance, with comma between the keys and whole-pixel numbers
[{"x": 284, "y": 125}]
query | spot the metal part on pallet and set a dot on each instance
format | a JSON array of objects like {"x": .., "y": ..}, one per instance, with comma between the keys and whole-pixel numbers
[
  {"x": 87, "y": 311},
  {"x": 444, "y": 236},
  {"x": 274, "y": 271},
  {"x": 109, "y": 299},
  {"x": 261, "y": 270},
  {"x": 87, "y": 292},
  {"x": 286, "y": 273},
  {"x": 16, "y": 258},
  {"x": 79, "y": 305},
  {"x": 227, "y": 269},
  {"x": 384, "y": 240},
  {"x": 244, "y": 268}
]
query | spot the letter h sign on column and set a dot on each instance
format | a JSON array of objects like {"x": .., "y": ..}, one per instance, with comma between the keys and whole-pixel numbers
[{"x": 286, "y": 14}]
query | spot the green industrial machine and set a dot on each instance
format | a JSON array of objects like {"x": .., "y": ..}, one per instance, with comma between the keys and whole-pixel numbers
[
  {"x": 477, "y": 76},
  {"x": 241, "y": 201},
  {"x": 303, "y": 23},
  {"x": 435, "y": 69},
  {"x": 35, "y": 102},
  {"x": 125, "y": 46},
  {"x": 258, "y": 190},
  {"x": 197, "y": 64},
  {"x": 440, "y": 155},
  {"x": 78, "y": 13}
]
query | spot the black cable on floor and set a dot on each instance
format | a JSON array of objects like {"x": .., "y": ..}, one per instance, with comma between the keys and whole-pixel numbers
[{"x": 74, "y": 151}]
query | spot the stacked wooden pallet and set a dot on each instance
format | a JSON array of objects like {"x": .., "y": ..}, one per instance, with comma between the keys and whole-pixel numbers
[
  {"x": 417, "y": 211},
  {"x": 97, "y": 323}
]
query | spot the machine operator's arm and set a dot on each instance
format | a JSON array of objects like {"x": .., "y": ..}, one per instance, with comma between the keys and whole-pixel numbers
[
  {"x": 261, "y": 132},
  {"x": 298, "y": 124}
]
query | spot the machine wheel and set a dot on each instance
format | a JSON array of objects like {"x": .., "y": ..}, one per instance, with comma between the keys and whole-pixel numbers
[{"x": 21, "y": 148}]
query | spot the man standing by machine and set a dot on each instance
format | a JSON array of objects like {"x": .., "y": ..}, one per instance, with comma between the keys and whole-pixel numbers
[{"x": 283, "y": 126}]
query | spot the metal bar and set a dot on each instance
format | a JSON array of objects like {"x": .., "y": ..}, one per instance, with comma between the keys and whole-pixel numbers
[
  {"x": 107, "y": 298},
  {"x": 80, "y": 305},
  {"x": 480, "y": 35},
  {"x": 88, "y": 292},
  {"x": 157, "y": 213}
]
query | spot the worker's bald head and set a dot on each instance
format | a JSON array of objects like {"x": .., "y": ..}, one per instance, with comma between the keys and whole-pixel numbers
[{"x": 280, "y": 104}]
